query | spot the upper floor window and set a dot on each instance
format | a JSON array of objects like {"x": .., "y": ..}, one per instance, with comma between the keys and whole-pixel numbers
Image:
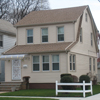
[
  {"x": 45, "y": 60},
  {"x": 90, "y": 64},
  {"x": 44, "y": 34},
  {"x": 86, "y": 17},
  {"x": 1, "y": 40},
  {"x": 72, "y": 62},
  {"x": 81, "y": 35},
  {"x": 93, "y": 64},
  {"x": 35, "y": 63},
  {"x": 55, "y": 62},
  {"x": 91, "y": 39},
  {"x": 30, "y": 36},
  {"x": 60, "y": 33}
]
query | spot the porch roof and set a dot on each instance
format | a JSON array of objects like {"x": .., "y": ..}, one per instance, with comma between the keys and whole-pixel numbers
[
  {"x": 20, "y": 56},
  {"x": 38, "y": 48}
]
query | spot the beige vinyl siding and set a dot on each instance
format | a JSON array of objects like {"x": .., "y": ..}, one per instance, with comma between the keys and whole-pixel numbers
[
  {"x": 85, "y": 47},
  {"x": 82, "y": 65},
  {"x": 52, "y": 33},
  {"x": 41, "y": 76}
]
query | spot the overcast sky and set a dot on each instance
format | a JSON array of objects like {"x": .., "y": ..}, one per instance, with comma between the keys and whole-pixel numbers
[{"x": 93, "y": 4}]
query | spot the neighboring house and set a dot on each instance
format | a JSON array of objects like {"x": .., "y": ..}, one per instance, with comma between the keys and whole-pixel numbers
[
  {"x": 7, "y": 40},
  {"x": 50, "y": 43}
]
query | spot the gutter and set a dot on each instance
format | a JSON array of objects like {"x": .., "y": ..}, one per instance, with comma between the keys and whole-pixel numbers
[{"x": 45, "y": 24}]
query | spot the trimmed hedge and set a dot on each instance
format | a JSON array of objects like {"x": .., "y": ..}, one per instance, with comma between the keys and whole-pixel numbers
[
  {"x": 67, "y": 79},
  {"x": 86, "y": 79},
  {"x": 65, "y": 74}
]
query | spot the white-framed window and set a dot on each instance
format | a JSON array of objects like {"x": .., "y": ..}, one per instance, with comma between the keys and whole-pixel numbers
[
  {"x": 86, "y": 17},
  {"x": 93, "y": 64},
  {"x": 81, "y": 39},
  {"x": 90, "y": 64},
  {"x": 1, "y": 40},
  {"x": 61, "y": 33},
  {"x": 55, "y": 62},
  {"x": 91, "y": 39},
  {"x": 44, "y": 34},
  {"x": 72, "y": 62},
  {"x": 29, "y": 35},
  {"x": 45, "y": 60},
  {"x": 36, "y": 64}
]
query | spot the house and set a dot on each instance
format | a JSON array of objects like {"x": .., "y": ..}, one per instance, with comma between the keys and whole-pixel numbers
[
  {"x": 7, "y": 40},
  {"x": 50, "y": 43}
]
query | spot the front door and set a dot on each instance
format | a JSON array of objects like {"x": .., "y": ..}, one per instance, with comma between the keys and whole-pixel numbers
[{"x": 16, "y": 69}]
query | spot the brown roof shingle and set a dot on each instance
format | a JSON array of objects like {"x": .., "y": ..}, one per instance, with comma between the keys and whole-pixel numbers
[
  {"x": 39, "y": 48},
  {"x": 51, "y": 16}
]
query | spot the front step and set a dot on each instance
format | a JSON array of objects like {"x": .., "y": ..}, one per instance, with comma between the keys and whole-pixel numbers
[{"x": 10, "y": 86}]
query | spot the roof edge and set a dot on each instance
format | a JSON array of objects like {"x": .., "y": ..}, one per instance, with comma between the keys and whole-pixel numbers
[
  {"x": 43, "y": 24},
  {"x": 8, "y": 33}
]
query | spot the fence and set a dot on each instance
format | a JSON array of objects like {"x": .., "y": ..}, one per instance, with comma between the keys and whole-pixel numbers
[{"x": 75, "y": 84}]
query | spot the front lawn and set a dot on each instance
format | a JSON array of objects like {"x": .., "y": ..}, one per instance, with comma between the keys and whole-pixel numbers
[
  {"x": 4, "y": 98},
  {"x": 49, "y": 93}
]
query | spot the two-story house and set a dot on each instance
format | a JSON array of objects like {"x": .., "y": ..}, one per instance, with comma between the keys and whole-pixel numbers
[
  {"x": 7, "y": 40},
  {"x": 50, "y": 43}
]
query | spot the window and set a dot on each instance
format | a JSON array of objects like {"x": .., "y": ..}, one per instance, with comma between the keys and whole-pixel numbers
[
  {"x": 60, "y": 33},
  {"x": 86, "y": 19},
  {"x": 94, "y": 64},
  {"x": 81, "y": 35},
  {"x": 91, "y": 39},
  {"x": 55, "y": 62},
  {"x": 30, "y": 36},
  {"x": 90, "y": 64},
  {"x": 72, "y": 62},
  {"x": 1, "y": 41},
  {"x": 35, "y": 63},
  {"x": 44, "y": 34},
  {"x": 45, "y": 60}
]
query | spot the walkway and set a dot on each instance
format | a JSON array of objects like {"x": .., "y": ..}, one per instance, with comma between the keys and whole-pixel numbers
[{"x": 94, "y": 97}]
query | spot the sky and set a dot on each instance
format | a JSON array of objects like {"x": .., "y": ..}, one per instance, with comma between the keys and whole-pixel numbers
[{"x": 93, "y": 4}]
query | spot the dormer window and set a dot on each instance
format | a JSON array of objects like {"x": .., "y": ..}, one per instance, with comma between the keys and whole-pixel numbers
[
  {"x": 60, "y": 33},
  {"x": 1, "y": 40},
  {"x": 30, "y": 36},
  {"x": 86, "y": 17}
]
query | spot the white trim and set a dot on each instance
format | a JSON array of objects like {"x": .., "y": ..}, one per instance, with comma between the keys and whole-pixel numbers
[
  {"x": 55, "y": 62},
  {"x": 45, "y": 63},
  {"x": 69, "y": 45},
  {"x": 36, "y": 63}
]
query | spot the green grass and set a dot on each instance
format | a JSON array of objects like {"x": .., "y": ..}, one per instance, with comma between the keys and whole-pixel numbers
[
  {"x": 49, "y": 93},
  {"x": 4, "y": 98}
]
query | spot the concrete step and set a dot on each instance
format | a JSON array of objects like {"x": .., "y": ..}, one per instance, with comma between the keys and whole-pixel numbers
[{"x": 7, "y": 86}]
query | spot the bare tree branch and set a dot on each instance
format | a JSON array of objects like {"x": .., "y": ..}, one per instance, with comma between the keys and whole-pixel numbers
[{"x": 20, "y": 8}]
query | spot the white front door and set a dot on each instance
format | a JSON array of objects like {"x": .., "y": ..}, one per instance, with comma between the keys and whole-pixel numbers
[{"x": 16, "y": 69}]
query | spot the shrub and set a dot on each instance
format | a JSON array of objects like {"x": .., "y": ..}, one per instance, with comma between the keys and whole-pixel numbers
[
  {"x": 75, "y": 78},
  {"x": 94, "y": 80},
  {"x": 67, "y": 79},
  {"x": 65, "y": 74},
  {"x": 86, "y": 79}
]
